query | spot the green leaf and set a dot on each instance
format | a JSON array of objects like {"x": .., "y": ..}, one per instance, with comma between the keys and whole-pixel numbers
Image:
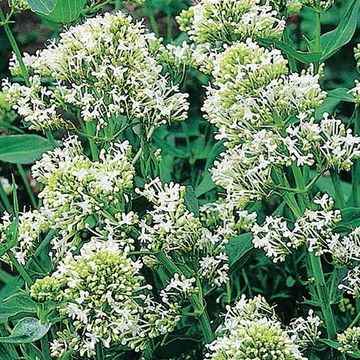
[
  {"x": 290, "y": 281},
  {"x": 333, "y": 98},
  {"x": 350, "y": 219},
  {"x": 42, "y": 6},
  {"x": 355, "y": 355},
  {"x": 23, "y": 149},
  {"x": 59, "y": 11},
  {"x": 191, "y": 200},
  {"x": 66, "y": 11},
  {"x": 179, "y": 342},
  {"x": 279, "y": 211},
  {"x": 333, "y": 40},
  {"x": 341, "y": 94},
  {"x": 8, "y": 352},
  {"x": 239, "y": 249},
  {"x": 324, "y": 184},
  {"x": 20, "y": 303},
  {"x": 207, "y": 184},
  {"x": 26, "y": 331},
  {"x": 11, "y": 237},
  {"x": 331, "y": 343},
  {"x": 304, "y": 57}
]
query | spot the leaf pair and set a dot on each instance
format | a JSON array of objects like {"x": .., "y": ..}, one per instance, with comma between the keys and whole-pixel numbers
[{"x": 60, "y": 11}]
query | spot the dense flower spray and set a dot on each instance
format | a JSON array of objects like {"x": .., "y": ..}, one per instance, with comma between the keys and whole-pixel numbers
[
  {"x": 104, "y": 70},
  {"x": 106, "y": 299},
  {"x": 251, "y": 330},
  {"x": 74, "y": 189}
]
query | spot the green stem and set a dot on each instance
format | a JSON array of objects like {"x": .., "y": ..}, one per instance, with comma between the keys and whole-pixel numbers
[
  {"x": 117, "y": 5},
  {"x": 97, "y": 7},
  {"x": 19, "y": 268},
  {"x": 338, "y": 190},
  {"x": 355, "y": 321},
  {"x": 99, "y": 352},
  {"x": 45, "y": 349},
  {"x": 317, "y": 37},
  {"x": 5, "y": 200},
  {"x": 14, "y": 46},
  {"x": 228, "y": 292},
  {"x": 169, "y": 25},
  {"x": 27, "y": 185},
  {"x": 149, "y": 12},
  {"x": 139, "y": 152},
  {"x": 300, "y": 183},
  {"x": 50, "y": 137},
  {"x": 323, "y": 295},
  {"x": 93, "y": 148},
  {"x": 317, "y": 272},
  {"x": 196, "y": 300},
  {"x": 356, "y": 167}
]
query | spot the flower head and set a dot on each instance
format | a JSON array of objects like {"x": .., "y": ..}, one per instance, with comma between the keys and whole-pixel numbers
[
  {"x": 251, "y": 331},
  {"x": 226, "y": 21},
  {"x": 350, "y": 340},
  {"x": 106, "y": 301},
  {"x": 105, "y": 68}
]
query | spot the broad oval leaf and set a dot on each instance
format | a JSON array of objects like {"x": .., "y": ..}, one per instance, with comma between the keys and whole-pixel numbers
[
  {"x": 19, "y": 304},
  {"x": 342, "y": 94},
  {"x": 333, "y": 40},
  {"x": 239, "y": 250},
  {"x": 60, "y": 11},
  {"x": 23, "y": 149},
  {"x": 42, "y": 6},
  {"x": 304, "y": 57},
  {"x": 66, "y": 11},
  {"x": 26, "y": 331}
]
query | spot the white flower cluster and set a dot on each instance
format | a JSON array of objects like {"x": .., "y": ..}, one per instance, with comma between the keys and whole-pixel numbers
[
  {"x": 305, "y": 331},
  {"x": 106, "y": 300},
  {"x": 171, "y": 227},
  {"x": 212, "y": 23},
  {"x": 252, "y": 331},
  {"x": 104, "y": 70},
  {"x": 313, "y": 228},
  {"x": 288, "y": 7},
  {"x": 245, "y": 170},
  {"x": 5, "y": 184},
  {"x": 346, "y": 249},
  {"x": 355, "y": 92},
  {"x": 176, "y": 58},
  {"x": 351, "y": 283},
  {"x": 350, "y": 341},
  {"x": 18, "y": 5},
  {"x": 224, "y": 21},
  {"x": 327, "y": 144},
  {"x": 178, "y": 286},
  {"x": 251, "y": 101},
  {"x": 31, "y": 225},
  {"x": 74, "y": 189},
  {"x": 226, "y": 218},
  {"x": 251, "y": 88},
  {"x": 318, "y": 5}
]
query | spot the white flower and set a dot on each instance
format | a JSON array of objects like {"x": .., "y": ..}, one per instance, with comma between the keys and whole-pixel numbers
[{"x": 108, "y": 53}]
